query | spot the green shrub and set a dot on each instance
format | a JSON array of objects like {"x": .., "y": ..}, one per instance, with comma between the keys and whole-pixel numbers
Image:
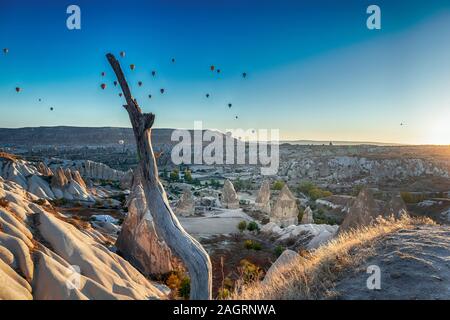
[
  {"x": 278, "y": 185},
  {"x": 242, "y": 226},
  {"x": 248, "y": 244},
  {"x": 252, "y": 226},
  {"x": 312, "y": 191},
  {"x": 252, "y": 245},
  {"x": 409, "y": 197},
  {"x": 278, "y": 250},
  {"x": 185, "y": 288}
]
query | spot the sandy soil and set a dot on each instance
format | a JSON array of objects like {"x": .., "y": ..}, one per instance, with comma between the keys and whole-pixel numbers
[
  {"x": 415, "y": 264},
  {"x": 224, "y": 221}
]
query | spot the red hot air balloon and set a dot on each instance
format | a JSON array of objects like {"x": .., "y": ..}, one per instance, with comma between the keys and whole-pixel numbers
[
  {"x": 212, "y": 68},
  {"x": 132, "y": 66},
  {"x": 103, "y": 86},
  {"x": 162, "y": 90}
]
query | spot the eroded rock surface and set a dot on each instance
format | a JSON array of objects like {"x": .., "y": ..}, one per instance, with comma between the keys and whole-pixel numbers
[{"x": 285, "y": 211}]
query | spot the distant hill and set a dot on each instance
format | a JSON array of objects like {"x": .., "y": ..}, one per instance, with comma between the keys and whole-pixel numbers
[
  {"x": 338, "y": 143},
  {"x": 71, "y": 136}
]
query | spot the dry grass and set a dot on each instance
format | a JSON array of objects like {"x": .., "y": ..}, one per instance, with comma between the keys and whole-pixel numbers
[
  {"x": 4, "y": 203},
  {"x": 314, "y": 277}
]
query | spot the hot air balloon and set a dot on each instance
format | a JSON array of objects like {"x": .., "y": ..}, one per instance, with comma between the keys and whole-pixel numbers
[
  {"x": 173, "y": 60},
  {"x": 51, "y": 108},
  {"x": 139, "y": 83},
  {"x": 121, "y": 142},
  {"x": 229, "y": 105},
  {"x": 103, "y": 86},
  {"x": 103, "y": 74},
  {"x": 5, "y": 50},
  {"x": 244, "y": 75},
  {"x": 18, "y": 89},
  {"x": 132, "y": 66},
  {"x": 161, "y": 90},
  {"x": 218, "y": 70},
  {"x": 207, "y": 95},
  {"x": 122, "y": 54},
  {"x": 115, "y": 83},
  {"x": 236, "y": 117},
  {"x": 39, "y": 99},
  {"x": 153, "y": 73},
  {"x": 212, "y": 68},
  {"x": 120, "y": 94},
  {"x": 149, "y": 96}
]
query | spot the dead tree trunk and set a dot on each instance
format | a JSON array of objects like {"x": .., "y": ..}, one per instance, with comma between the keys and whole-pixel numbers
[{"x": 167, "y": 225}]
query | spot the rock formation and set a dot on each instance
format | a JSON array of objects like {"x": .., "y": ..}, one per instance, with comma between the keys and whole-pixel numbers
[
  {"x": 230, "y": 198},
  {"x": 309, "y": 236},
  {"x": 43, "y": 182},
  {"x": 69, "y": 185},
  {"x": 262, "y": 202},
  {"x": 395, "y": 207},
  {"x": 96, "y": 171},
  {"x": 63, "y": 261},
  {"x": 138, "y": 241},
  {"x": 284, "y": 262},
  {"x": 362, "y": 212},
  {"x": 185, "y": 206},
  {"x": 307, "y": 216},
  {"x": 44, "y": 170},
  {"x": 285, "y": 211}
]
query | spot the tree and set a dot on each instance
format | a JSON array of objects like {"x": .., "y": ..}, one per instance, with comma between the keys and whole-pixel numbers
[
  {"x": 174, "y": 175},
  {"x": 188, "y": 176},
  {"x": 167, "y": 226},
  {"x": 242, "y": 226},
  {"x": 278, "y": 185}
]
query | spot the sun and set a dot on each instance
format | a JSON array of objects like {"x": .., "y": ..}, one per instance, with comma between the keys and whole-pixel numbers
[{"x": 439, "y": 132}]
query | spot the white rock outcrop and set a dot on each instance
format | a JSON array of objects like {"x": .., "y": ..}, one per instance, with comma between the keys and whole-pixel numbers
[
  {"x": 310, "y": 236},
  {"x": 285, "y": 211},
  {"x": 63, "y": 261},
  {"x": 262, "y": 202},
  {"x": 307, "y": 216},
  {"x": 39, "y": 182},
  {"x": 230, "y": 198},
  {"x": 185, "y": 206}
]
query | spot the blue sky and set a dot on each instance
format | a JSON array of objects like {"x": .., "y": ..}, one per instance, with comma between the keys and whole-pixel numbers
[{"x": 314, "y": 70}]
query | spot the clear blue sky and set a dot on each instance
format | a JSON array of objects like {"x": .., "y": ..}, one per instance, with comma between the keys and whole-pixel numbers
[{"x": 314, "y": 70}]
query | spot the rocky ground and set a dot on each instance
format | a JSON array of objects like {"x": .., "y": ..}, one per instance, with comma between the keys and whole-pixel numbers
[{"x": 414, "y": 264}]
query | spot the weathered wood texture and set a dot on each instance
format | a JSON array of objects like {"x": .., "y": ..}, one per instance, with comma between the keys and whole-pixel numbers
[{"x": 167, "y": 226}]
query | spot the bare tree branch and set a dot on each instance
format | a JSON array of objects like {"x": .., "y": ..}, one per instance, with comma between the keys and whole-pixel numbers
[{"x": 167, "y": 225}]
